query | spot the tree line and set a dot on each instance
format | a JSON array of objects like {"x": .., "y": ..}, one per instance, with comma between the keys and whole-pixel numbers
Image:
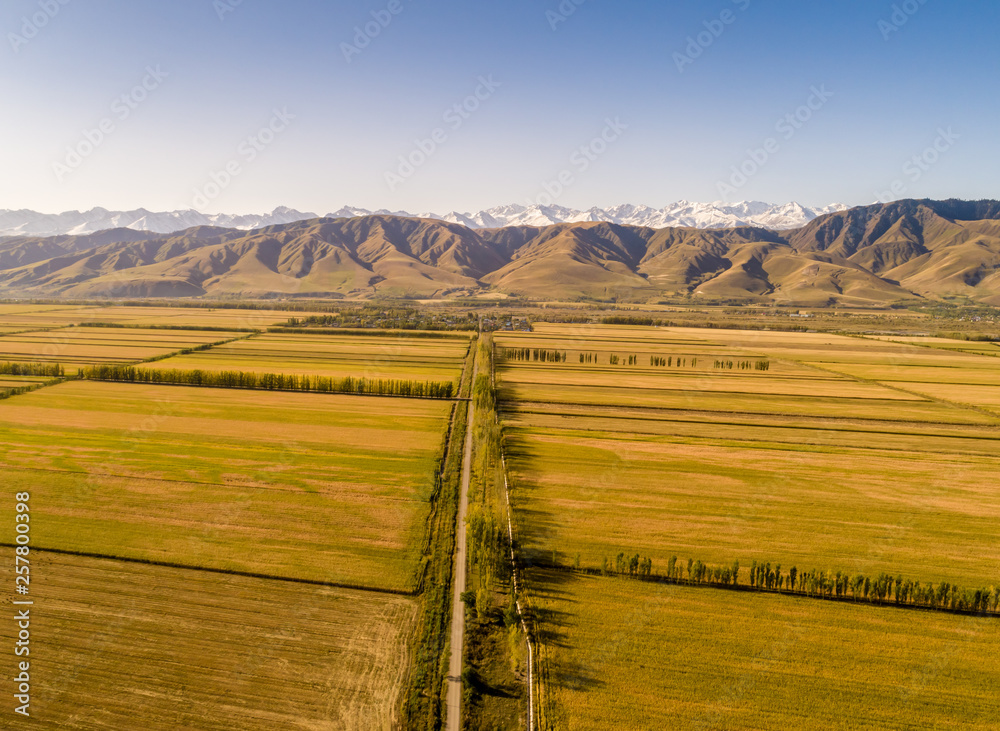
[
  {"x": 743, "y": 365},
  {"x": 49, "y": 370},
  {"x": 628, "y": 565},
  {"x": 533, "y": 354},
  {"x": 270, "y": 381},
  {"x": 392, "y": 318},
  {"x": 488, "y": 536},
  {"x": 489, "y": 545},
  {"x": 196, "y": 328},
  {"x": 668, "y": 362},
  {"x": 884, "y": 589}
]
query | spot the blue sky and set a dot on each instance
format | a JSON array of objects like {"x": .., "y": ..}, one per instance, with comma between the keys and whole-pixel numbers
[{"x": 692, "y": 100}]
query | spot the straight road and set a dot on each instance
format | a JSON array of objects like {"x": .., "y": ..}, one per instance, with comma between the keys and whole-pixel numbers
[{"x": 454, "y": 698}]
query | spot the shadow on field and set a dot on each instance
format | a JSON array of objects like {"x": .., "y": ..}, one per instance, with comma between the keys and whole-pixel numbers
[{"x": 553, "y": 628}]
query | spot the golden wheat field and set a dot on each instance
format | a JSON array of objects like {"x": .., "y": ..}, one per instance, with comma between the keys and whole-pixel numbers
[
  {"x": 81, "y": 346},
  {"x": 723, "y": 465},
  {"x": 122, "y": 646},
  {"x": 622, "y": 653},
  {"x": 324, "y": 487},
  {"x": 46, "y": 316},
  {"x": 337, "y": 356},
  {"x": 838, "y": 453}
]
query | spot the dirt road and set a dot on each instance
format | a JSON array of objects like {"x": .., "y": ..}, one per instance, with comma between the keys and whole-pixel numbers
[{"x": 454, "y": 698}]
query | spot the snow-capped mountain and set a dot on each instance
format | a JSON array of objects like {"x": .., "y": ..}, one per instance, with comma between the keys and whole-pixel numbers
[
  {"x": 76, "y": 223},
  {"x": 682, "y": 213}
]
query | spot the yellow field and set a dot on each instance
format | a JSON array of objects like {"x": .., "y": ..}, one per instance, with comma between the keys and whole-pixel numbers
[
  {"x": 625, "y": 654},
  {"x": 796, "y": 465},
  {"x": 846, "y": 454},
  {"x": 124, "y": 646},
  {"x": 323, "y": 487},
  {"x": 39, "y": 316},
  {"x": 79, "y": 346},
  {"x": 334, "y": 356}
]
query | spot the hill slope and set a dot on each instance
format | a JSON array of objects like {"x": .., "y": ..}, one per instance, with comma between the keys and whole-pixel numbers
[{"x": 873, "y": 254}]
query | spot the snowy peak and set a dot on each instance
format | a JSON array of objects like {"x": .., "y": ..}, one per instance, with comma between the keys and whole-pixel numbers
[
  {"x": 77, "y": 223},
  {"x": 681, "y": 214}
]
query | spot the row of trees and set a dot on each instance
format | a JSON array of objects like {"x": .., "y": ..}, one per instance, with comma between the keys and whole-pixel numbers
[
  {"x": 882, "y": 589},
  {"x": 487, "y": 532},
  {"x": 533, "y": 354},
  {"x": 197, "y": 328},
  {"x": 376, "y": 316},
  {"x": 50, "y": 370},
  {"x": 668, "y": 362},
  {"x": 423, "y": 704},
  {"x": 616, "y": 359},
  {"x": 743, "y": 365},
  {"x": 628, "y": 565},
  {"x": 556, "y": 356},
  {"x": 270, "y": 381}
]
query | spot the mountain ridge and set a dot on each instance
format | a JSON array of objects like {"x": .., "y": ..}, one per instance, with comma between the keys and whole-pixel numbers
[
  {"x": 683, "y": 213},
  {"x": 869, "y": 255}
]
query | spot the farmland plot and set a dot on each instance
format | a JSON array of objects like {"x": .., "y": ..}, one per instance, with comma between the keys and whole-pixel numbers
[
  {"x": 117, "y": 645},
  {"x": 320, "y": 487},
  {"x": 619, "y": 653}
]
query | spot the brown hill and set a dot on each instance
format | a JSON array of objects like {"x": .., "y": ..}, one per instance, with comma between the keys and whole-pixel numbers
[{"x": 873, "y": 254}]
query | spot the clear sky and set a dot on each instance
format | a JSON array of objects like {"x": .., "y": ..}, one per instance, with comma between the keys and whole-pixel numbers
[{"x": 315, "y": 104}]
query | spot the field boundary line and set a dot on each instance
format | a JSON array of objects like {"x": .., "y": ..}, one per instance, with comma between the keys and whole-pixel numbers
[
  {"x": 513, "y": 557},
  {"x": 916, "y": 343},
  {"x": 270, "y": 390},
  {"x": 223, "y": 572},
  {"x": 21, "y": 390},
  {"x": 793, "y": 593},
  {"x": 920, "y": 397},
  {"x": 688, "y": 409},
  {"x": 832, "y": 427},
  {"x": 769, "y": 444},
  {"x": 994, "y": 415},
  {"x": 233, "y": 485}
]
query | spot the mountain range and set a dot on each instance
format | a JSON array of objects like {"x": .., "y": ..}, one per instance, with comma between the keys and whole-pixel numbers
[
  {"x": 683, "y": 213},
  {"x": 862, "y": 256}
]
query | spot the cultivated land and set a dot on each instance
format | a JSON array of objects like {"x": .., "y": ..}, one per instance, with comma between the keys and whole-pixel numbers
[
  {"x": 118, "y": 646},
  {"x": 42, "y": 316},
  {"x": 794, "y": 465},
  {"x": 8, "y": 383},
  {"x": 320, "y": 487},
  {"x": 255, "y": 559},
  {"x": 82, "y": 346},
  {"x": 852, "y": 454},
  {"x": 865, "y": 454},
  {"x": 619, "y": 653},
  {"x": 418, "y": 358}
]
